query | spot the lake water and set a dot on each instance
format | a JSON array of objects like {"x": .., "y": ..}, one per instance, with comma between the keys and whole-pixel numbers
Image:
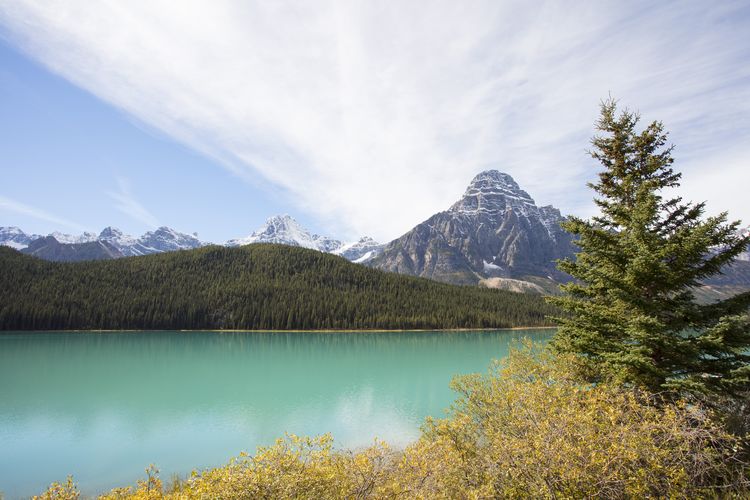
[{"x": 102, "y": 406}]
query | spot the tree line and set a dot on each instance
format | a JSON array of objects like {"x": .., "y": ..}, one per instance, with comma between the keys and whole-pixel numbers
[{"x": 259, "y": 286}]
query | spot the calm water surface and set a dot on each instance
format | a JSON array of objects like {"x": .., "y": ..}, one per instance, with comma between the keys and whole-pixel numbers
[{"x": 102, "y": 406}]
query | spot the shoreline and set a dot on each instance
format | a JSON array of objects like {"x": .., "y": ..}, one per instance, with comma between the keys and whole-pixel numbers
[{"x": 346, "y": 330}]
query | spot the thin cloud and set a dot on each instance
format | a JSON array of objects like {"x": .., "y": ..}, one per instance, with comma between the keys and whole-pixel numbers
[
  {"x": 16, "y": 207},
  {"x": 130, "y": 206},
  {"x": 374, "y": 115}
]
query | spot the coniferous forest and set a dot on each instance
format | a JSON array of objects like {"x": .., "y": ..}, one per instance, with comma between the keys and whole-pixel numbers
[{"x": 254, "y": 287}]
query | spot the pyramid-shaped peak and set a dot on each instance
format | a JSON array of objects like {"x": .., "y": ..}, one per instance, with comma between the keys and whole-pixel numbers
[
  {"x": 493, "y": 192},
  {"x": 280, "y": 223}
]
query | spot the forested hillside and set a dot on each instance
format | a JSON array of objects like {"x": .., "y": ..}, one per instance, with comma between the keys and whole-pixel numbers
[{"x": 253, "y": 287}]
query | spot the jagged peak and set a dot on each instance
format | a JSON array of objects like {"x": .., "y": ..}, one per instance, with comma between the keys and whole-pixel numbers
[
  {"x": 283, "y": 221},
  {"x": 84, "y": 237},
  {"x": 494, "y": 181},
  {"x": 493, "y": 192},
  {"x": 494, "y": 176},
  {"x": 283, "y": 218},
  {"x": 165, "y": 231},
  {"x": 110, "y": 232}
]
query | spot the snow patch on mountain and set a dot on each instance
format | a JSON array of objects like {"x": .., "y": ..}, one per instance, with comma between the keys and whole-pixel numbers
[
  {"x": 69, "y": 238},
  {"x": 360, "y": 251}
]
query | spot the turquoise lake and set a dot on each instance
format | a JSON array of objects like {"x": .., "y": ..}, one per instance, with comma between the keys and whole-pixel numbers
[{"x": 103, "y": 406}]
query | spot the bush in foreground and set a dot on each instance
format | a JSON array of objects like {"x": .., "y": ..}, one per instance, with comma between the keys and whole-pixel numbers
[{"x": 527, "y": 428}]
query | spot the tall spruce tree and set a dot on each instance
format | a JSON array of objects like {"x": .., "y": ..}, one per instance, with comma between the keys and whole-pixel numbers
[{"x": 631, "y": 312}]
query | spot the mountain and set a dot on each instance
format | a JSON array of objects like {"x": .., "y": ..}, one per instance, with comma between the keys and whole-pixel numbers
[
  {"x": 49, "y": 248},
  {"x": 15, "y": 238},
  {"x": 285, "y": 230},
  {"x": 280, "y": 229},
  {"x": 251, "y": 287},
  {"x": 127, "y": 245},
  {"x": 360, "y": 251},
  {"x": 115, "y": 243},
  {"x": 493, "y": 234},
  {"x": 166, "y": 239},
  {"x": 86, "y": 237},
  {"x": 163, "y": 239}
]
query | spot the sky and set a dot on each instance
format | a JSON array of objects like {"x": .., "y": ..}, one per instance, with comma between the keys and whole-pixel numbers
[{"x": 356, "y": 118}]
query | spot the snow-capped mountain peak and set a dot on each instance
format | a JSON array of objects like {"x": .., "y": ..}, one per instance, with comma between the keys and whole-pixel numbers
[
  {"x": 285, "y": 230},
  {"x": 361, "y": 250},
  {"x": 14, "y": 237},
  {"x": 493, "y": 193},
  {"x": 280, "y": 229},
  {"x": 69, "y": 238},
  {"x": 128, "y": 245},
  {"x": 495, "y": 230},
  {"x": 165, "y": 239}
]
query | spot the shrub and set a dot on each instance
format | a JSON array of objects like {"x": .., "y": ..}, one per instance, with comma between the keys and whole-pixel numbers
[{"x": 528, "y": 428}]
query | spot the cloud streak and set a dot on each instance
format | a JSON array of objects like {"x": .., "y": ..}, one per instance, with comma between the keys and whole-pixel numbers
[
  {"x": 374, "y": 115},
  {"x": 126, "y": 203},
  {"x": 16, "y": 207}
]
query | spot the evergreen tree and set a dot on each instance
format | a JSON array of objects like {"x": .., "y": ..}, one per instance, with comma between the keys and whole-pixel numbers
[{"x": 632, "y": 314}]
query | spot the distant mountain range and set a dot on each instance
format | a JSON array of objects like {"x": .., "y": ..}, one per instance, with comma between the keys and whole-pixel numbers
[
  {"x": 284, "y": 230},
  {"x": 494, "y": 236},
  {"x": 111, "y": 243}
]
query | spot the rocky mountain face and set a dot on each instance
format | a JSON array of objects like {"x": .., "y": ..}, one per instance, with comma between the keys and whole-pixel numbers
[
  {"x": 49, "y": 248},
  {"x": 495, "y": 232},
  {"x": 285, "y": 230}
]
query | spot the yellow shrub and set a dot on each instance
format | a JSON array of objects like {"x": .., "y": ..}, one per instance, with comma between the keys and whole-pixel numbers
[{"x": 529, "y": 429}]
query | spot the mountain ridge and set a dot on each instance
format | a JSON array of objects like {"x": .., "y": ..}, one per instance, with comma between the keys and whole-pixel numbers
[{"x": 280, "y": 229}]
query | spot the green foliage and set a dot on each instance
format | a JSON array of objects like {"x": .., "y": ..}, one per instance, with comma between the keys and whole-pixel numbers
[
  {"x": 633, "y": 315},
  {"x": 527, "y": 429},
  {"x": 271, "y": 287}
]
